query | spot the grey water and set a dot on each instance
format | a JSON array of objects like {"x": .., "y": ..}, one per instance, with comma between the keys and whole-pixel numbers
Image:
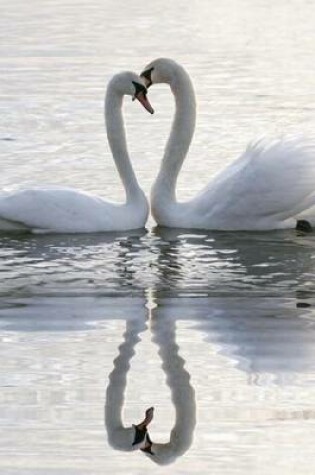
[{"x": 215, "y": 330}]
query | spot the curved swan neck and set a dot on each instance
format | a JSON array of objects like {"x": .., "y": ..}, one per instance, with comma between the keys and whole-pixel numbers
[
  {"x": 117, "y": 140},
  {"x": 183, "y": 394},
  {"x": 181, "y": 134},
  {"x": 118, "y": 378}
]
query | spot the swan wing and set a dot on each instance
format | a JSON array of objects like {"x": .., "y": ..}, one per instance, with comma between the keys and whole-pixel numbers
[{"x": 267, "y": 187}]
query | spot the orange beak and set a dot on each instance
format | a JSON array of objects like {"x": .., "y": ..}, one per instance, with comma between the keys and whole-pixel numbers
[{"x": 142, "y": 98}]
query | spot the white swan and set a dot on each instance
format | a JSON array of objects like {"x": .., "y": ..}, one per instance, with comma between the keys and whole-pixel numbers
[
  {"x": 271, "y": 186},
  {"x": 66, "y": 210},
  {"x": 121, "y": 437},
  {"x": 130, "y": 438},
  {"x": 182, "y": 392}
]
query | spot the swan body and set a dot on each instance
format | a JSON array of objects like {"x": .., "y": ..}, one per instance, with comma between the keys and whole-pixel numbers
[
  {"x": 66, "y": 210},
  {"x": 270, "y": 186}
]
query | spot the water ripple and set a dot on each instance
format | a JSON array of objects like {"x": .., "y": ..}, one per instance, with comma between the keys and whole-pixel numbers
[{"x": 163, "y": 259}]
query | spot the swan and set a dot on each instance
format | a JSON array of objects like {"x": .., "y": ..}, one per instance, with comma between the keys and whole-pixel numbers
[
  {"x": 270, "y": 186},
  {"x": 137, "y": 437},
  {"x": 66, "y": 210},
  {"x": 182, "y": 392},
  {"x": 121, "y": 437}
]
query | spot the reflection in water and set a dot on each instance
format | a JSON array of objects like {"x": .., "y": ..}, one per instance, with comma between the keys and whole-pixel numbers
[
  {"x": 265, "y": 336},
  {"x": 119, "y": 436},
  {"x": 38, "y": 264},
  {"x": 270, "y": 339},
  {"x": 53, "y": 246},
  {"x": 164, "y": 259},
  {"x": 233, "y": 262},
  {"x": 253, "y": 362},
  {"x": 178, "y": 379},
  {"x": 66, "y": 314},
  {"x": 183, "y": 394}
]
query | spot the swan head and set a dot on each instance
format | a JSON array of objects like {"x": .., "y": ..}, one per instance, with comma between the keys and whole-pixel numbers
[
  {"x": 129, "y": 83},
  {"x": 161, "y": 70}
]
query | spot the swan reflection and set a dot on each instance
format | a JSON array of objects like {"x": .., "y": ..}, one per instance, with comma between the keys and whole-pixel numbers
[
  {"x": 183, "y": 394},
  {"x": 119, "y": 436},
  {"x": 164, "y": 259},
  {"x": 261, "y": 335},
  {"x": 137, "y": 436},
  {"x": 56, "y": 246},
  {"x": 82, "y": 260},
  {"x": 207, "y": 261}
]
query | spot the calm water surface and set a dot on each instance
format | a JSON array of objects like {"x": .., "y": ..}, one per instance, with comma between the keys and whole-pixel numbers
[{"x": 215, "y": 330}]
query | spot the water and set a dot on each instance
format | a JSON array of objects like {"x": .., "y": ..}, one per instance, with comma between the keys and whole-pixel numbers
[
  {"x": 276, "y": 263},
  {"x": 215, "y": 330}
]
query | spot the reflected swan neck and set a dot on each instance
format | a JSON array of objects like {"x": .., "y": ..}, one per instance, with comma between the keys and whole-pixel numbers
[{"x": 183, "y": 394}]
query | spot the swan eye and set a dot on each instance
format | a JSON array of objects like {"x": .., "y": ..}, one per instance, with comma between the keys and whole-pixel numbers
[
  {"x": 139, "y": 88},
  {"x": 148, "y": 76}
]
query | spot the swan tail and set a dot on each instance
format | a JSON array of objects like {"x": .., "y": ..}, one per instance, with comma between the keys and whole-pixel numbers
[
  {"x": 268, "y": 187},
  {"x": 286, "y": 171}
]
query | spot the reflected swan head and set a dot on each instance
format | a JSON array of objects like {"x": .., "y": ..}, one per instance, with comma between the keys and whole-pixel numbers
[
  {"x": 149, "y": 415},
  {"x": 141, "y": 436}
]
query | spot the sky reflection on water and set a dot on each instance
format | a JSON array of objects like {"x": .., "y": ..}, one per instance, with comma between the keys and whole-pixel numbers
[{"x": 235, "y": 362}]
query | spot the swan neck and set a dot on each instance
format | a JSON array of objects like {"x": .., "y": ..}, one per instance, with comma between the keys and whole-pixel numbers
[
  {"x": 180, "y": 137},
  {"x": 117, "y": 141},
  {"x": 183, "y": 394},
  {"x": 118, "y": 379}
]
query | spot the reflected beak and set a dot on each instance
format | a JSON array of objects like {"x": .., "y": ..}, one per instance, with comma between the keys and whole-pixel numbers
[
  {"x": 148, "y": 416},
  {"x": 142, "y": 98}
]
